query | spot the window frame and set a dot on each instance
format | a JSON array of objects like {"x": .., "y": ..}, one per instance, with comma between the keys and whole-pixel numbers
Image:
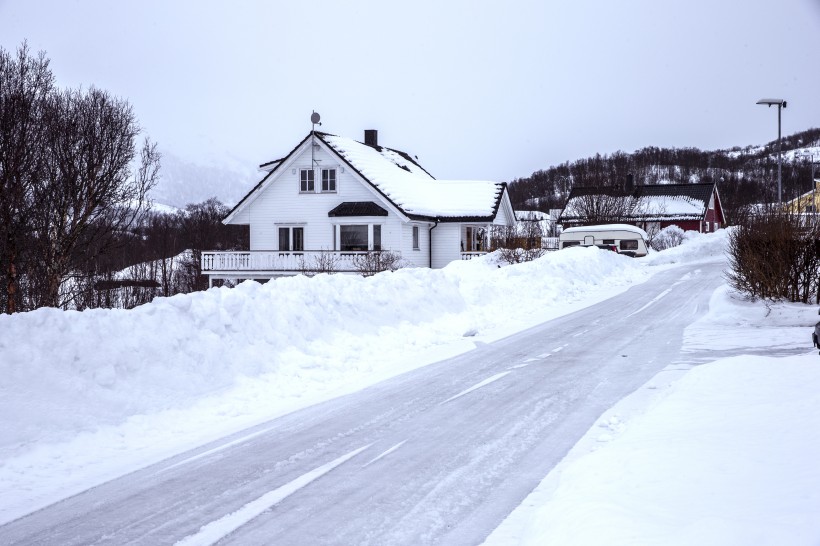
[
  {"x": 358, "y": 247},
  {"x": 325, "y": 186},
  {"x": 307, "y": 181},
  {"x": 416, "y": 238},
  {"x": 284, "y": 236},
  {"x": 292, "y": 238},
  {"x": 376, "y": 243}
]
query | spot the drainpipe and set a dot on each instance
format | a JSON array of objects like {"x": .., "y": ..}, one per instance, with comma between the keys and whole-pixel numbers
[{"x": 430, "y": 242}]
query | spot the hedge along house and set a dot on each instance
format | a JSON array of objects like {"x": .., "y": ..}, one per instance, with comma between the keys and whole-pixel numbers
[
  {"x": 333, "y": 199},
  {"x": 692, "y": 207}
]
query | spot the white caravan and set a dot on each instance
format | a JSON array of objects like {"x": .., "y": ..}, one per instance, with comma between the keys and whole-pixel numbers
[{"x": 622, "y": 238}]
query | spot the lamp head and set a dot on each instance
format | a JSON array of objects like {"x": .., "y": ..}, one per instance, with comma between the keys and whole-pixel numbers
[{"x": 775, "y": 102}]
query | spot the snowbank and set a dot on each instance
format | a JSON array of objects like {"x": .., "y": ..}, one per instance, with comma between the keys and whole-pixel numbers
[
  {"x": 92, "y": 395},
  {"x": 729, "y": 457},
  {"x": 67, "y": 371}
]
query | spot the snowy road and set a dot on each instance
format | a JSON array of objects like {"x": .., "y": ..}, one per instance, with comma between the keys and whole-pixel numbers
[{"x": 439, "y": 455}]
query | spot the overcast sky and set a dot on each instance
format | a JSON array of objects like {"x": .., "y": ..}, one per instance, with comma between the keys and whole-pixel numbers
[{"x": 482, "y": 90}]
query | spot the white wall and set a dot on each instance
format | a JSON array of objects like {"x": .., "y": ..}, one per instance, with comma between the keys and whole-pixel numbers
[
  {"x": 446, "y": 244},
  {"x": 418, "y": 257}
]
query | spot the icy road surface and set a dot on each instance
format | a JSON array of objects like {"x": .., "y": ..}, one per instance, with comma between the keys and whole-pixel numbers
[{"x": 439, "y": 455}]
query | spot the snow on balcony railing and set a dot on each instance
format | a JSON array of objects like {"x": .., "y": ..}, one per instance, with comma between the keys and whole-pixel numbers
[
  {"x": 285, "y": 261},
  {"x": 471, "y": 255}
]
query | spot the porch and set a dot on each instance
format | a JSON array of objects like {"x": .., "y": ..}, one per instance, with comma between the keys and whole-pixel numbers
[{"x": 259, "y": 264}]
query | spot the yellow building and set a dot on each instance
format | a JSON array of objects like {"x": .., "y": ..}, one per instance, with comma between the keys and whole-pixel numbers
[{"x": 808, "y": 202}]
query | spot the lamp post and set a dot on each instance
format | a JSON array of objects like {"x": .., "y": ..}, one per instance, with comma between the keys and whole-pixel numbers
[{"x": 780, "y": 103}]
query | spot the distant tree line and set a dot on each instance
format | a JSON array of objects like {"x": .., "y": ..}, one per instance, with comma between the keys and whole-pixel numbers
[
  {"x": 160, "y": 257},
  {"x": 745, "y": 176}
]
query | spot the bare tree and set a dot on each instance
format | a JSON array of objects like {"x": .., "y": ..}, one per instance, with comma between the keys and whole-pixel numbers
[
  {"x": 375, "y": 261},
  {"x": 26, "y": 82},
  {"x": 774, "y": 255},
  {"x": 90, "y": 192},
  {"x": 602, "y": 206},
  {"x": 323, "y": 262},
  {"x": 520, "y": 243},
  {"x": 66, "y": 181},
  {"x": 203, "y": 229}
]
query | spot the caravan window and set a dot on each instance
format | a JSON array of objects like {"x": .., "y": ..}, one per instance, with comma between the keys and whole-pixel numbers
[{"x": 629, "y": 244}]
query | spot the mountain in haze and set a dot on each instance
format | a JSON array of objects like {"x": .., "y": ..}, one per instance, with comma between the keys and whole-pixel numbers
[
  {"x": 183, "y": 181},
  {"x": 745, "y": 176}
]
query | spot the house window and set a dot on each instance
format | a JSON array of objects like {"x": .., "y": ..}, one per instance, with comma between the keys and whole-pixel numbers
[
  {"x": 328, "y": 180},
  {"x": 284, "y": 238},
  {"x": 415, "y": 237},
  {"x": 353, "y": 238},
  {"x": 306, "y": 183},
  {"x": 291, "y": 239},
  {"x": 377, "y": 237},
  {"x": 473, "y": 240},
  {"x": 298, "y": 238}
]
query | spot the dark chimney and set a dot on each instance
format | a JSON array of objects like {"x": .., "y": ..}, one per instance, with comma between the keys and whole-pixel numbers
[{"x": 371, "y": 137}]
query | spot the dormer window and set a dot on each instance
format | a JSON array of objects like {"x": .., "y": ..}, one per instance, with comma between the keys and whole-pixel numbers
[
  {"x": 329, "y": 180},
  {"x": 306, "y": 181}
]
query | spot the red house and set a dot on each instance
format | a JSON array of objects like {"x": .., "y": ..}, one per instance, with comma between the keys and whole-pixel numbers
[{"x": 692, "y": 207}]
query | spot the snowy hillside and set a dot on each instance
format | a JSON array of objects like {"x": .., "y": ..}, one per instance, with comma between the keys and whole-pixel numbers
[{"x": 183, "y": 181}]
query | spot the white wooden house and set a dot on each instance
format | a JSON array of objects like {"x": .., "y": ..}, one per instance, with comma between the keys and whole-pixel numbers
[{"x": 334, "y": 198}]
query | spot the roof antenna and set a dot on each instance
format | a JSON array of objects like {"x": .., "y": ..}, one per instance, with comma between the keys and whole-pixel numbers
[{"x": 314, "y": 119}]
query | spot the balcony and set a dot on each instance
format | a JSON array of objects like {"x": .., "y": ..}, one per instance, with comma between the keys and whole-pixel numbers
[
  {"x": 249, "y": 264},
  {"x": 271, "y": 263}
]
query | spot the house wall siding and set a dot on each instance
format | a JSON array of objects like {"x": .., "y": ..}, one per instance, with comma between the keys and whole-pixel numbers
[
  {"x": 446, "y": 244},
  {"x": 420, "y": 257}
]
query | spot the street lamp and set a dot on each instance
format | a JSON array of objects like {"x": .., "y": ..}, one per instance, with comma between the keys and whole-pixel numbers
[{"x": 780, "y": 103}]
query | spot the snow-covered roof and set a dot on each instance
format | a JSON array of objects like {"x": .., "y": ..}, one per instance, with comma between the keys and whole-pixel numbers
[
  {"x": 405, "y": 184},
  {"x": 609, "y": 227},
  {"x": 411, "y": 188},
  {"x": 660, "y": 202}
]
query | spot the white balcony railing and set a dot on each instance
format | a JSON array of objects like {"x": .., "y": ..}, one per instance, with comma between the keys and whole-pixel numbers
[
  {"x": 263, "y": 262},
  {"x": 276, "y": 261}
]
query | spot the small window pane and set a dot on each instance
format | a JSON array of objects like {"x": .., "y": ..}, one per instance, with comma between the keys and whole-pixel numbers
[
  {"x": 377, "y": 237},
  {"x": 353, "y": 238},
  {"x": 328, "y": 179},
  {"x": 415, "y": 237},
  {"x": 629, "y": 245},
  {"x": 306, "y": 180},
  {"x": 298, "y": 238},
  {"x": 284, "y": 238}
]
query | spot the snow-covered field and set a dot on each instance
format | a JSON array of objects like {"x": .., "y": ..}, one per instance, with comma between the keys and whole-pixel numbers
[{"x": 85, "y": 397}]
